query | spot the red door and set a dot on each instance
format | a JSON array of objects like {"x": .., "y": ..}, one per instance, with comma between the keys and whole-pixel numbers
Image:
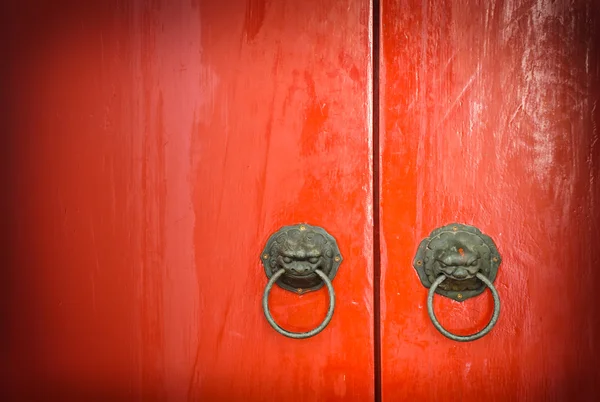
[
  {"x": 489, "y": 118},
  {"x": 153, "y": 147}
]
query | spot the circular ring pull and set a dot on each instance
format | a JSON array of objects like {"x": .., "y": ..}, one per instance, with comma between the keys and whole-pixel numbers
[
  {"x": 298, "y": 335},
  {"x": 466, "y": 338}
]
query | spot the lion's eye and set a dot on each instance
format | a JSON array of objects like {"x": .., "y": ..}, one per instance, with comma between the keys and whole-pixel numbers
[
  {"x": 287, "y": 260},
  {"x": 474, "y": 263},
  {"x": 313, "y": 260},
  {"x": 442, "y": 265}
]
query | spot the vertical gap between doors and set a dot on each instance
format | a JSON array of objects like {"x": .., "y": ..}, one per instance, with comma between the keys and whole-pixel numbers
[{"x": 376, "y": 198}]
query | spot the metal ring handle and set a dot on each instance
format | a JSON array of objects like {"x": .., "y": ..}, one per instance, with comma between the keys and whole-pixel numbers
[
  {"x": 298, "y": 335},
  {"x": 466, "y": 338}
]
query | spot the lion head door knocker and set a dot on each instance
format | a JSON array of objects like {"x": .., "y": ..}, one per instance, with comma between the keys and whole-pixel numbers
[
  {"x": 458, "y": 261},
  {"x": 300, "y": 258}
]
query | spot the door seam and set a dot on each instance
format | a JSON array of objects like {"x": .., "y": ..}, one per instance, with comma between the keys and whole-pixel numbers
[{"x": 375, "y": 63}]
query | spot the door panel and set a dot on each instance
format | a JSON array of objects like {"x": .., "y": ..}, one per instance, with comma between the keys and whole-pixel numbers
[
  {"x": 489, "y": 117},
  {"x": 153, "y": 148}
]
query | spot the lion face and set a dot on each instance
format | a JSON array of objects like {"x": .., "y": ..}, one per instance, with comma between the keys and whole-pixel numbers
[
  {"x": 459, "y": 261},
  {"x": 458, "y": 256},
  {"x": 301, "y": 250},
  {"x": 300, "y": 253},
  {"x": 458, "y": 252}
]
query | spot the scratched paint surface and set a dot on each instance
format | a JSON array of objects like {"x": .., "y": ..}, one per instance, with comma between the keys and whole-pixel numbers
[
  {"x": 154, "y": 147},
  {"x": 489, "y": 117}
]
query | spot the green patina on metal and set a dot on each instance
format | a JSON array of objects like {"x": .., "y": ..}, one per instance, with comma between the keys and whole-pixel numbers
[
  {"x": 463, "y": 338},
  {"x": 300, "y": 258},
  {"x": 459, "y": 262},
  {"x": 300, "y": 250},
  {"x": 458, "y": 252},
  {"x": 298, "y": 335}
]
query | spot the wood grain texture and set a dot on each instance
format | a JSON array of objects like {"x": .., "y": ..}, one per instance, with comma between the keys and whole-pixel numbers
[
  {"x": 489, "y": 117},
  {"x": 153, "y": 148}
]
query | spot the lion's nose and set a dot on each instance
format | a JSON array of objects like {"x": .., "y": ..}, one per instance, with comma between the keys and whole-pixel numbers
[
  {"x": 460, "y": 273},
  {"x": 300, "y": 268}
]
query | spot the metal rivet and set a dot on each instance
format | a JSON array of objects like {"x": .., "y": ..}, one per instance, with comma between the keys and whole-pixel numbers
[
  {"x": 266, "y": 256},
  {"x": 495, "y": 259},
  {"x": 302, "y": 227},
  {"x": 337, "y": 258},
  {"x": 459, "y": 295},
  {"x": 419, "y": 262},
  {"x": 299, "y": 290},
  {"x": 455, "y": 228}
]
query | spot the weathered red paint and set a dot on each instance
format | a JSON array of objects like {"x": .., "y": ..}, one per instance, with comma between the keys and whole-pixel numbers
[
  {"x": 151, "y": 148},
  {"x": 155, "y": 146},
  {"x": 489, "y": 117}
]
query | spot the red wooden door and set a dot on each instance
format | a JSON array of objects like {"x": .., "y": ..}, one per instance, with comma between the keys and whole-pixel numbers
[
  {"x": 153, "y": 147},
  {"x": 489, "y": 118}
]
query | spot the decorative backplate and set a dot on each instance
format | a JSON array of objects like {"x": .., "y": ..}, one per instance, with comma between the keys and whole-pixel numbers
[
  {"x": 459, "y": 252},
  {"x": 300, "y": 250}
]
